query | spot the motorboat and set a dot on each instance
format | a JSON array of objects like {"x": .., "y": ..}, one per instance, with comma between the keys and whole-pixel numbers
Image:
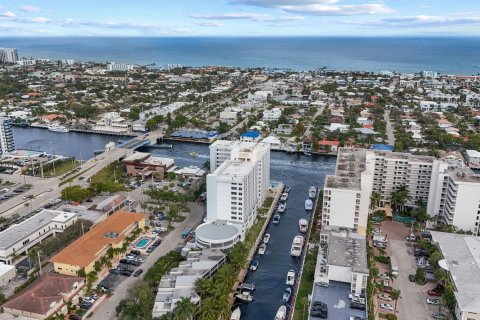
[
  {"x": 236, "y": 314},
  {"x": 254, "y": 265},
  {"x": 193, "y": 154},
  {"x": 286, "y": 295},
  {"x": 308, "y": 204},
  {"x": 312, "y": 192},
  {"x": 297, "y": 245},
  {"x": 290, "y": 277},
  {"x": 287, "y": 189},
  {"x": 284, "y": 196},
  {"x": 262, "y": 248},
  {"x": 266, "y": 238},
  {"x": 303, "y": 225},
  {"x": 281, "y": 313},
  {"x": 282, "y": 207},
  {"x": 245, "y": 296},
  {"x": 307, "y": 152},
  {"x": 276, "y": 219},
  {"x": 57, "y": 128},
  {"x": 247, "y": 286}
]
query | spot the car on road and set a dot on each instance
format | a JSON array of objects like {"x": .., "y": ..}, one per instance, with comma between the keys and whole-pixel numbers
[
  {"x": 81, "y": 178},
  {"x": 137, "y": 272},
  {"x": 386, "y": 306},
  {"x": 384, "y": 297},
  {"x": 51, "y": 189},
  {"x": 434, "y": 293},
  {"x": 411, "y": 277},
  {"x": 433, "y": 301}
]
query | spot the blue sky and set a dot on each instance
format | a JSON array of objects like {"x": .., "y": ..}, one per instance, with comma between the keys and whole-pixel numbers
[{"x": 239, "y": 17}]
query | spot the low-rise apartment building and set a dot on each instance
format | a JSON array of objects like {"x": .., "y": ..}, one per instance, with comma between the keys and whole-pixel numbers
[
  {"x": 142, "y": 164},
  {"x": 85, "y": 251},
  {"x": 20, "y": 237}
]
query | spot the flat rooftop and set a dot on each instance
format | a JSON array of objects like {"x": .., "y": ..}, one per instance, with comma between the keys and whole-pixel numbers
[
  {"x": 25, "y": 228},
  {"x": 464, "y": 175},
  {"x": 462, "y": 254},
  {"x": 87, "y": 248},
  {"x": 348, "y": 250},
  {"x": 336, "y": 182},
  {"x": 234, "y": 168},
  {"x": 216, "y": 231},
  {"x": 350, "y": 162}
]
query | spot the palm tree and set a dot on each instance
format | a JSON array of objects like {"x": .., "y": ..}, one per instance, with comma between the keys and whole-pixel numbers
[
  {"x": 375, "y": 199},
  {"x": 184, "y": 310},
  {"x": 204, "y": 287},
  {"x": 208, "y": 310},
  {"x": 395, "y": 295},
  {"x": 226, "y": 274},
  {"x": 400, "y": 197}
]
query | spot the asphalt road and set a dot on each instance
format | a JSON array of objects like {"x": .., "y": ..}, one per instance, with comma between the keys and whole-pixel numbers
[
  {"x": 106, "y": 309},
  {"x": 389, "y": 128},
  {"x": 41, "y": 186}
]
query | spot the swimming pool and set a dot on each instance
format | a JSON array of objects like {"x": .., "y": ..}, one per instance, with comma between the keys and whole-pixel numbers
[{"x": 142, "y": 243}]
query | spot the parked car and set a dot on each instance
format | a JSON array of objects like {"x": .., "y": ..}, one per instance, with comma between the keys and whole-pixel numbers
[
  {"x": 411, "y": 277},
  {"x": 386, "y": 306},
  {"x": 433, "y": 301},
  {"x": 439, "y": 316},
  {"x": 434, "y": 293},
  {"x": 410, "y": 237},
  {"x": 384, "y": 297},
  {"x": 388, "y": 289},
  {"x": 357, "y": 306},
  {"x": 137, "y": 272}
]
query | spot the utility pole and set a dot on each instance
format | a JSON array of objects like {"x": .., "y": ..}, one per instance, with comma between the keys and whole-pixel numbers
[
  {"x": 39, "y": 263},
  {"x": 83, "y": 231}
]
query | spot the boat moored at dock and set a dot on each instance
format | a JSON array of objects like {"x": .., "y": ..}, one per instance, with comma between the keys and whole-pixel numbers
[
  {"x": 308, "y": 204},
  {"x": 303, "y": 225},
  {"x": 262, "y": 248},
  {"x": 276, "y": 219},
  {"x": 312, "y": 192},
  {"x": 281, "y": 313},
  {"x": 297, "y": 245},
  {"x": 282, "y": 207},
  {"x": 266, "y": 238},
  {"x": 290, "y": 277}
]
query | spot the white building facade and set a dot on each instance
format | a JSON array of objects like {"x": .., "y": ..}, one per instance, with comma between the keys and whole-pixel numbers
[
  {"x": 6, "y": 136},
  {"x": 9, "y": 55}
]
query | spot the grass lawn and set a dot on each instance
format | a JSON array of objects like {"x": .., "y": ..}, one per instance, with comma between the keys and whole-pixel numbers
[
  {"x": 110, "y": 173},
  {"x": 61, "y": 167},
  {"x": 306, "y": 285}
]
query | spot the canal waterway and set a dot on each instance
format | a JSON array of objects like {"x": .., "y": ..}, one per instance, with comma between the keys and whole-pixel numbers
[{"x": 295, "y": 170}]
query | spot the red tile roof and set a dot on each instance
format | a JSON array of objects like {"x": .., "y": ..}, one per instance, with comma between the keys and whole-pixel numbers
[
  {"x": 50, "y": 288},
  {"x": 328, "y": 143}
]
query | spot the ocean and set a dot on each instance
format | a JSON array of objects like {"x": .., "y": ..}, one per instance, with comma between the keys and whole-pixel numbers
[{"x": 450, "y": 55}]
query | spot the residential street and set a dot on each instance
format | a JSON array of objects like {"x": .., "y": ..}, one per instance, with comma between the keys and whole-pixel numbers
[
  {"x": 390, "y": 135},
  {"x": 106, "y": 310}
]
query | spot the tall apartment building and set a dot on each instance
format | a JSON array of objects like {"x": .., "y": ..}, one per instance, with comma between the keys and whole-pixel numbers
[
  {"x": 9, "y": 55},
  {"x": 346, "y": 195},
  {"x": 119, "y": 66},
  {"x": 236, "y": 188},
  {"x": 6, "y": 136},
  {"x": 455, "y": 197},
  {"x": 257, "y": 152},
  {"x": 450, "y": 191}
]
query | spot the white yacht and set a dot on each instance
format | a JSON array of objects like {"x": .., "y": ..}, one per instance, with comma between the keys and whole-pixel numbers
[
  {"x": 281, "y": 313},
  {"x": 266, "y": 238},
  {"x": 262, "y": 248},
  {"x": 291, "y": 277},
  {"x": 282, "y": 207},
  {"x": 284, "y": 196},
  {"x": 276, "y": 219},
  {"x": 57, "y": 128},
  {"x": 303, "y": 225},
  {"x": 245, "y": 296},
  {"x": 297, "y": 245},
  {"x": 236, "y": 314},
  {"x": 308, "y": 204},
  {"x": 312, "y": 192}
]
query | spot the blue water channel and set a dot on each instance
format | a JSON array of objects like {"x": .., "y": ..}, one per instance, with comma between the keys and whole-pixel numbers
[{"x": 297, "y": 171}]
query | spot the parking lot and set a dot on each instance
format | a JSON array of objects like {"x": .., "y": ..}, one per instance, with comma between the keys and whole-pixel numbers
[
  {"x": 337, "y": 300},
  {"x": 412, "y": 304}
]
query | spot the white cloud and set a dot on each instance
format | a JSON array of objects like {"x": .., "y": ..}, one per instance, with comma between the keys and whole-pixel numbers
[
  {"x": 247, "y": 16},
  {"x": 319, "y": 7},
  {"x": 40, "y": 19},
  {"x": 29, "y": 8},
  {"x": 8, "y": 14},
  {"x": 209, "y": 24},
  {"x": 422, "y": 21}
]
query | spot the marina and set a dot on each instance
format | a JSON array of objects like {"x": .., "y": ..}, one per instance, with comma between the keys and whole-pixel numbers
[{"x": 297, "y": 171}]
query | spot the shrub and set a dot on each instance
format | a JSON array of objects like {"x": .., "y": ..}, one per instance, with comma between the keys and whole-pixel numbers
[{"x": 382, "y": 259}]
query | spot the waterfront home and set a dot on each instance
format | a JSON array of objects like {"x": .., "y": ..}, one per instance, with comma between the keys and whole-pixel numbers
[
  {"x": 143, "y": 164},
  {"x": 328, "y": 145}
]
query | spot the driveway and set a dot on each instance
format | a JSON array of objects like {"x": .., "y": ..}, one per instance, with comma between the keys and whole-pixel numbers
[
  {"x": 412, "y": 304},
  {"x": 106, "y": 310}
]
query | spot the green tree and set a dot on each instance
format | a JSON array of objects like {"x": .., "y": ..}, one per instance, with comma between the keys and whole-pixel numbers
[
  {"x": 375, "y": 199},
  {"x": 184, "y": 309},
  {"x": 395, "y": 296}
]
